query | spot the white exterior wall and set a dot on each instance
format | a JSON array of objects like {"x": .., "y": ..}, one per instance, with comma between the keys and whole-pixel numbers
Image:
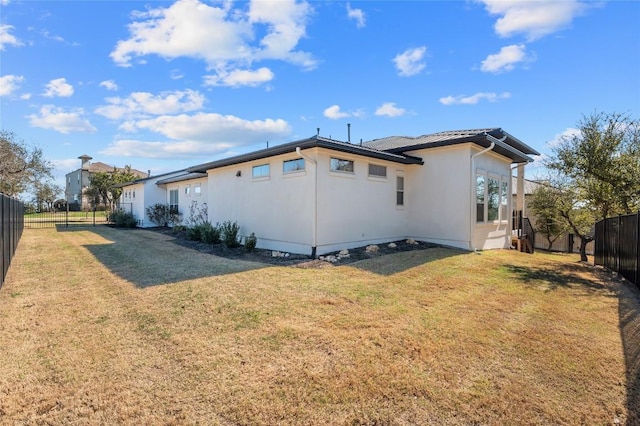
[
  {"x": 278, "y": 209},
  {"x": 187, "y": 198}
]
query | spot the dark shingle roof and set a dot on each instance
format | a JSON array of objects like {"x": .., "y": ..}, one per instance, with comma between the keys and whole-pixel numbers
[
  {"x": 312, "y": 142},
  {"x": 511, "y": 147}
]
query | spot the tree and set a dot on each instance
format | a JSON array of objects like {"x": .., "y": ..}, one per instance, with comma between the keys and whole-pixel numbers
[
  {"x": 20, "y": 165},
  {"x": 103, "y": 187},
  {"x": 549, "y": 221},
  {"x": 597, "y": 172},
  {"x": 46, "y": 194}
]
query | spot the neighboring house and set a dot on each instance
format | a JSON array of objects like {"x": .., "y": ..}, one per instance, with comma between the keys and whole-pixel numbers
[
  {"x": 319, "y": 195},
  {"x": 79, "y": 180},
  {"x": 567, "y": 243}
]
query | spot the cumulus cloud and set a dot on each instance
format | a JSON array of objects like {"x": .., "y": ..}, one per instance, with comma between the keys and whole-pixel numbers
[
  {"x": 389, "y": 109},
  {"x": 534, "y": 19},
  {"x": 474, "y": 99},
  {"x": 6, "y": 38},
  {"x": 567, "y": 134},
  {"x": 144, "y": 104},
  {"x": 357, "y": 15},
  {"x": 411, "y": 61},
  {"x": 505, "y": 60},
  {"x": 9, "y": 84},
  {"x": 54, "y": 118},
  {"x": 237, "y": 78},
  {"x": 109, "y": 85},
  {"x": 223, "y": 36},
  {"x": 58, "y": 87},
  {"x": 334, "y": 113},
  {"x": 194, "y": 135}
]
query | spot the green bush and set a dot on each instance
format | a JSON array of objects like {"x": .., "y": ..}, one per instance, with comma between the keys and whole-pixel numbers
[
  {"x": 204, "y": 232},
  {"x": 122, "y": 219},
  {"x": 250, "y": 242},
  {"x": 229, "y": 234}
]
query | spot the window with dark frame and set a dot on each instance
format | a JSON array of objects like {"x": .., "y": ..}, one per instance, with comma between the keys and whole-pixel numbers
[
  {"x": 400, "y": 191},
  {"x": 173, "y": 201},
  {"x": 341, "y": 165},
  {"x": 377, "y": 170},
  {"x": 294, "y": 165},
  {"x": 480, "y": 188},
  {"x": 260, "y": 171}
]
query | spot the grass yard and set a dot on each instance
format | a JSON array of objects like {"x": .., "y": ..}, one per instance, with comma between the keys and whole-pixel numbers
[{"x": 104, "y": 326}]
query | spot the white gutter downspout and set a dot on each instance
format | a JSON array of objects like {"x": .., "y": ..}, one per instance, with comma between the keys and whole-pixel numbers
[
  {"x": 472, "y": 186},
  {"x": 314, "y": 225}
]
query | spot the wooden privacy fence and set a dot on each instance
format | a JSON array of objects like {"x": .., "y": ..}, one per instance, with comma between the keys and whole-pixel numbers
[
  {"x": 11, "y": 226},
  {"x": 618, "y": 245}
]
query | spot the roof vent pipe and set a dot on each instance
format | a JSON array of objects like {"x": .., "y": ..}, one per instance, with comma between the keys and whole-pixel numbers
[
  {"x": 349, "y": 132},
  {"x": 318, "y": 131}
]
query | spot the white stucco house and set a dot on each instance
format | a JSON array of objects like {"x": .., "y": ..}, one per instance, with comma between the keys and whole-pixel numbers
[{"x": 319, "y": 195}]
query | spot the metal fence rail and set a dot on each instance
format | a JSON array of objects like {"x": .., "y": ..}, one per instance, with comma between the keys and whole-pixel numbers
[
  {"x": 11, "y": 227},
  {"x": 618, "y": 245},
  {"x": 65, "y": 218}
]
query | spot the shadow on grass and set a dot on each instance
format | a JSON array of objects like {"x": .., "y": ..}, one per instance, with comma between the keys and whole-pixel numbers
[
  {"x": 147, "y": 258},
  {"x": 391, "y": 264},
  {"x": 628, "y": 311},
  {"x": 562, "y": 276}
]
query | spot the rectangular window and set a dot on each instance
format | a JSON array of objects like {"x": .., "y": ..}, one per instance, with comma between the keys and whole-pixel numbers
[
  {"x": 400, "y": 190},
  {"x": 134, "y": 195},
  {"x": 173, "y": 201},
  {"x": 197, "y": 189},
  {"x": 260, "y": 171},
  {"x": 293, "y": 165},
  {"x": 377, "y": 170},
  {"x": 339, "y": 165},
  {"x": 187, "y": 190},
  {"x": 480, "y": 187},
  {"x": 493, "y": 199},
  {"x": 505, "y": 201}
]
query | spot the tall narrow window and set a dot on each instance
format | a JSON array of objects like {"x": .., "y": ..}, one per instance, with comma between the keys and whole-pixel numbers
[
  {"x": 187, "y": 190},
  {"x": 505, "y": 200},
  {"x": 480, "y": 185},
  {"x": 173, "y": 201},
  {"x": 400, "y": 190},
  {"x": 493, "y": 199},
  {"x": 197, "y": 189}
]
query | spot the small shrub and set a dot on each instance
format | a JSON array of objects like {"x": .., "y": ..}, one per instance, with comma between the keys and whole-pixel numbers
[
  {"x": 209, "y": 234},
  {"x": 250, "y": 242},
  {"x": 229, "y": 233},
  {"x": 162, "y": 215},
  {"x": 193, "y": 233},
  {"x": 122, "y": 219}
]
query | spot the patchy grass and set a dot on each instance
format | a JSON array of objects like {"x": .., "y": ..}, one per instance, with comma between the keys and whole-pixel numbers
[{"x": 101, "y": 325}]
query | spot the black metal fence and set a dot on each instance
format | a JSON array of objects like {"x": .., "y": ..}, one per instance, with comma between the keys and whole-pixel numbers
[
  {"x": 53, "y": 219},
  {"x": 11, "y": 226},
  {"x": 618, "y": 245}
]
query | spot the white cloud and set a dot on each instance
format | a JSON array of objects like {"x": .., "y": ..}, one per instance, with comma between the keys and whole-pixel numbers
[
  {"x": 474, "y": 99},
  {"x": 224, "y": 37},
  {"x": 51, "y": 117},
  {"x": 534, "y": 19},
  {"x": 144, "y": 104},
  {"x": 390, "y": 109},
  {"x": 357, "y": 15},
  {"x": 194, "y": 135},
  {"x": 505, "y": 60},
  {"x": 109, "y": 85},
  {"x": 238, "y": 78},
  {"x": 410, "y": 62},
  {"x": 568, "y": 133},
  {"x": 66, "y": 165},
  {"x": 9, "y": 84},
  {"x": 6, "y": 38},
  {"x": 334, "y": 113},
  {"x": 58, "y": 87}
]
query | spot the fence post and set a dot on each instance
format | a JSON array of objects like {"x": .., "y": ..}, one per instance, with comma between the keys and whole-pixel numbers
[{"x": 638, "y": 249}]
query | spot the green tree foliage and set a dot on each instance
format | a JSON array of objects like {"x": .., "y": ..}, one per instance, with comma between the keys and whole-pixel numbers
[
  {"x": 597, "y": 172},
  {"x": 21, "y": 166},
  {"x": 46, "y": 194},
  {"x": 549, "y": 222},
  {"x": 103, "y": 187}
]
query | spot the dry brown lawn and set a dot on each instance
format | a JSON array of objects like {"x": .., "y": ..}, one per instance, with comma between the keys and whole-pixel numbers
[{"x": 106, "y": 326}]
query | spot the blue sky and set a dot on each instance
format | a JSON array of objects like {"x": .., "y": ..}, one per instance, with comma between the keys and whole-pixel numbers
[{"x": 165, "y": 85}]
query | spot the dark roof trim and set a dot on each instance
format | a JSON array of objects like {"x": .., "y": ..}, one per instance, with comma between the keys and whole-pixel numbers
[
  {"x": 181, "y": 178},
  {"x": 312, "y": 142},
  {"x": 144, "y": 179}
]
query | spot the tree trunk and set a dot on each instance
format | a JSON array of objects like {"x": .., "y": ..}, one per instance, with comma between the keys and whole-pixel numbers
[{"x": 583, "y": 249}]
